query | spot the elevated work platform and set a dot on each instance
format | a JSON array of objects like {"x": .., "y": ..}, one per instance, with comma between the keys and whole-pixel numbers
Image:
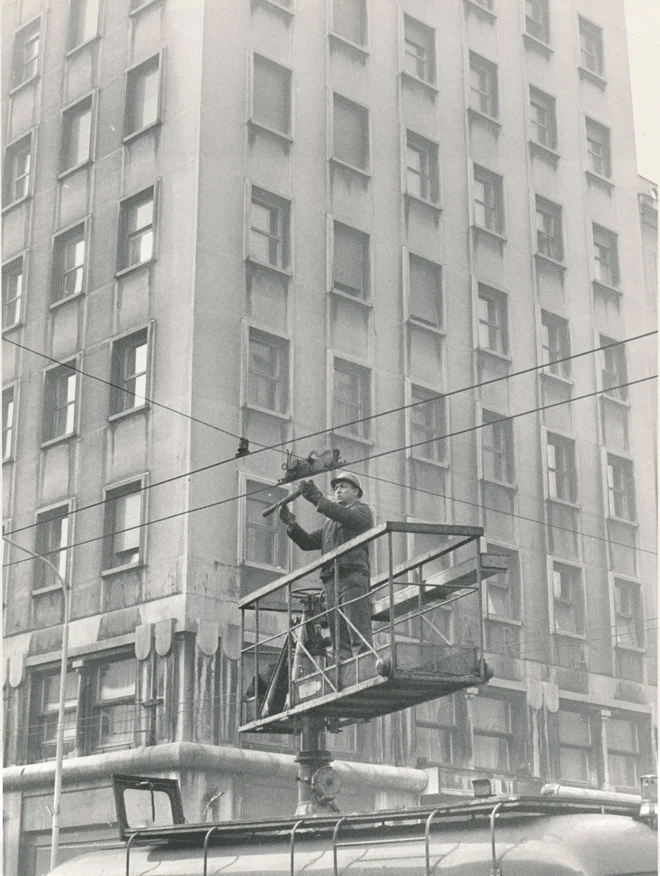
[{"x": 289, "y": 673}]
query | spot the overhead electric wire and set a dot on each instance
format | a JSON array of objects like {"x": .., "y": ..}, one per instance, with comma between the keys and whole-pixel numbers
[
  {"x": 333, "y": 429},
  {"x": 382, "y": 453}
]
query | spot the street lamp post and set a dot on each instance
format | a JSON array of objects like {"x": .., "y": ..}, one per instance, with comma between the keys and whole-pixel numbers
[{"x": 59, "y": 747}]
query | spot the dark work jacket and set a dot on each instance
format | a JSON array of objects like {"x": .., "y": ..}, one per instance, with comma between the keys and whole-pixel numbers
[{"x": 345, "y": 522}]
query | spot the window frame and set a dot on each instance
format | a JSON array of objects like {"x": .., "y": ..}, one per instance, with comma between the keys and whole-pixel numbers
[
  {"x": 96, "y": 705},
  {"x": 440, "y": 449},
  {"x": 283, "y": 206},
  {"x": 558, "y": 333},
  {"x": 448, "y": 730},
  {"x": 284, "y": 352},
  {"x": 430, "y": 183},
  {"x": 40, "y": 714},
  {"x": 613, "y": 263},
  {"x": 594, "y": 127},
  {"x": 114, "y": 491},
  {"x": 636, "y": 755},
  {"x": 431, "y": 64},
  {"x": 483, "y": 176},
  {"x": 587, "y": 28},
  {"x": 496, "y": 733},
  {"x": 586, "y": 748},
  {"x": 618, "y": 374},
  {"x": 514, "y": 587},
  {"x": 283, "y": 545},
  {"x": 547, "y": 103},
  {"x": 67, "y": 113},
  {"x": 637, "y": 616},
  {"x": 554, "y": 239},
  {"x": 482, "y": 66},
  {"x": 543, "y": 24},
  {"x": 58, "y": 262},
  {"x": 74, "y": 44},
  {"x": 130, "y": 75},
  {"x": 125, "y": 237},
  {"x": 43, "y": 575},
  {"x": 619, "y": 474},
  {"x": 344, "y": 289},
  {"x": 409, "y": 315},
  {"x": 117, "y": 349},
  {"x": 9, "y": 425},
  {"x": 508, "y": 454},
  {"x": 254, "y": 122},
  {"x": 362, "y": 108},
  {"x": 500, "y": 299},
  {"x": 50, "y": 405},
  {"x": 365, "y": 373},
  {"x": 363, "y": 45},
  {"x": 20, "y": 306},
  {"x": 12, "y": 150},
  {"x": 568, "y": 472},
  {"x": 22, "y": 80},
  {"x": 578, "y": 610}
]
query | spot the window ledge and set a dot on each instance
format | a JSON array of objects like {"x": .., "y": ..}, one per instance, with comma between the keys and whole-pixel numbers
[
  {"x": 257, "y": 263},
  {"x": 264, "y": 567},
  {"x": 55, "y": 305},
  {"x": 8, "y": 459},
  {"x": 636, "y": 649},
  {"x": 598, "y": 80},
  {"x": 23, "y": 84},
  {"x": 544, "y": 151},
  {"x": 431, "y": 205},
  {"x": 286, "y": 417},
  {"x": 122, "y": 415},
  {"x": 599, "y": 180},
  {"x": 147, "y": 3},
  {"x": 276, "y": 7},
  {"x": 623, "y": 402},
  {"x": 502, "y": 619},
  {"x": 504, "y": 484},
  {"x": 128, "y": 567},
  {"x": 355, "y": 48},
  {"x": 426, "y": 460},
  {"x": 123, "y": 272},
  {"x": 633, "y": 524},
  {"x": 50, "y": 442},
  {"x": 496, "y": 235},
  {"x": 491, "y": 121},
  {"x": 419, "y": 324},
  {"x": 287, "y": 139},
  {"x": 8, "y": 207},
  {"x": 540, "y": 45},
  {"x": 557, "y": 378},
  {"x": 604, "y": 287},
  {"x": 429, "y": 87},
  {"x": 567, "y": 634},
  {"x": 550, "y": 262},
  {"x": 343, "y": 433},
  {"x": 365, "y": 174},
  {"x": 10, "y": 328},
  {"x": 69, "y": 171},
  {"x": 367, "y": 305},
  {"x": 480, "y": 10},
  {"x": 41, "y": 591},
  {"x": 494, "y": 354},
  {"x": 133, "y": 135},
  {"x": 74, "y": 50},
  {"x": 565, "y": 503}
]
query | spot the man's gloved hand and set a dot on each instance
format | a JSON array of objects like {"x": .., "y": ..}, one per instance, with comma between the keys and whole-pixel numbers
[
  {"x": 309, "y": 491},
  {"x": 286, "y": 516}
]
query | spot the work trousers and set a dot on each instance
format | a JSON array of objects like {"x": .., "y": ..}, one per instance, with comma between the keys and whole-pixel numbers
[{"x": 351, "y": 586}]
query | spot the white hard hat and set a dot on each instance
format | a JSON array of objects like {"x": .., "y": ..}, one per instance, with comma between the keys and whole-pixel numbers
[{"x": 350, "y": 478}]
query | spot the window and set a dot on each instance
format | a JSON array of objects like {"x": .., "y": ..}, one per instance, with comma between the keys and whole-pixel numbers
[
  {"x": 575, "y": 747},
  {"x": 503, "y": 589},
  {"x": 123, "y": 521},
  {"x": 76, "y": 143},
  {"x": 8, "y": 422},
  {"x": 113, "y": 708},
  {"x": 492, "y": 735},
  {"x": 543, "y": 112},
  {"x": 435, "y": 730},
  {"x": 268, "y": 372},
  {"x": 497, "y": 448},
  {"x": 488, "y": 200},
  {"x": 18, "y": 166},
  {"x": 271, "y": 95},
  {"x": 51, "y": 543},
  {"x": 549, "y": 239},
  {"x": 69, "y": 264},
  {"x": 422, "y": 168},
  {"x": 350, "y": 267},
  {"x": 591, "y": 47},
  {"x": 628, "y": 614},
  {"x": 428, "y": 425},
  {"x": 12, "y": 292},
  {"x": 42, "y": 736},
  {"x": 537, "y": 19},
  {"x": 483, "y": 86},
  {"x": 130, "y": 372},
  {"x": 568, "y": 599},
  {"x": 606, "y": 256},
  {"x": 425, "y": 293},
  {"x": 136, "y": 230},
  {"x": 349, "y": 20},
  {"x": 562, "y": 479},
  {"x": 556, "y": 344},
  {"x": 142, "y": 107},
  {"x": 613, "y": 370},
  {"x": 83, "y": 21},
  {"x": 620, "y": 488},
  {"x": 598, "y": 149},
  {"x": 25, "y": 63},
  {"x": 351, "y": 402},
  {"x": 419, "y": 50},
  {"x": 60, "y": 402},
  {"x": 623, "y": 758},
  {"x": 350, "y": 133},
  {"x": 493, "y": 332},
  {"x": 266, "y": 543},
  {"x": 269, "y": 229}
]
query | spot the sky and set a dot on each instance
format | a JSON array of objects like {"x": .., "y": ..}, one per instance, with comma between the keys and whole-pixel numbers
[{"x": 643, "y": 26}]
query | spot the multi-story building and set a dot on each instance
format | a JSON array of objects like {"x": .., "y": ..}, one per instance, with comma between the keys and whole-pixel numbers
[{"x": 270, "y": 219}]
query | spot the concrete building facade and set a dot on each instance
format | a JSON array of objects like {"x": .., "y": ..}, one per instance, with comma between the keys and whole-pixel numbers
[{"x": 369, "y": 222}]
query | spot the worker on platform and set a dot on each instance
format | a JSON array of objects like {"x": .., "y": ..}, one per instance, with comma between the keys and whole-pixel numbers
[{"x": 347, "y": 518}]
